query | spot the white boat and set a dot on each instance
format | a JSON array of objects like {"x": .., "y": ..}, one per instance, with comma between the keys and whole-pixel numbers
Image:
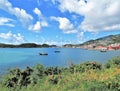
[
  {"x": 43, "y": 53},
  {"x": 103, "y": 50}
]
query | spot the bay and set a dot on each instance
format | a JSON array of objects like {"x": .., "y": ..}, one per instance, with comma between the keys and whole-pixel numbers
[{"x": 22, "y": 57}]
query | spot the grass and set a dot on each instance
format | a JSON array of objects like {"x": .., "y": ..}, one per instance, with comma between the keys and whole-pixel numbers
[{"x": 88, "y": 76}]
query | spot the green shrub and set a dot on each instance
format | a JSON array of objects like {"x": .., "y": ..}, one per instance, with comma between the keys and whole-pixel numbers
[
  {"x": 85, "y": 66},
  {"x": 16, "y": 78},
  {"x": 52, "y": 71},
  {"x": 96, "y": 86},
  {"x": 113, "y": 83},
  {"x": 114, "y": 62},
  {"x": 38, "y": 72},
  {"x": 40, "y": 78}
]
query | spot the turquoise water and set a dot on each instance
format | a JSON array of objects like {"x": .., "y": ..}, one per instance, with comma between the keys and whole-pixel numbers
[{"x": 22, "y": 57}]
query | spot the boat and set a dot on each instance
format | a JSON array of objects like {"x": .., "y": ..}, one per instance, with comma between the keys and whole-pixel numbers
[
  {"x": 103, "y": 50},
  {"x": 43, "y": 53},
  {"x": 57, "y": 51}
]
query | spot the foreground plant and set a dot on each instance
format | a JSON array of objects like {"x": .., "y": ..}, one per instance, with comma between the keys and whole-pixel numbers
[{"x": 87, "y": 76}]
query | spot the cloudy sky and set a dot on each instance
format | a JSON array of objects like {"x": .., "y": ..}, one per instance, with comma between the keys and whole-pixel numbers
[{"x": 57, "y": 21}]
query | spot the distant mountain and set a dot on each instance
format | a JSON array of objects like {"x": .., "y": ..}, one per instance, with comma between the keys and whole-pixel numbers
[
  {"x": 104, "y": 41},
  {"x": 107, "y": 40},
  {"x": 25, "y": 45}
]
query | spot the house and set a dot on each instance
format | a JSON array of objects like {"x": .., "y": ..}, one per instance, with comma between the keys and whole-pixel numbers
[
  {"x": 110, "y": 48},
  {"x": 101, "y": 48},
  {"x": 116, "y": 47}
]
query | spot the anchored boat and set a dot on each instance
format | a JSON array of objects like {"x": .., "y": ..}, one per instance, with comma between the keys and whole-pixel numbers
[
  {"x": 57, "y": 51},
  {"x": 103, "y": 50},
  {"x": 43, "y": 53}
]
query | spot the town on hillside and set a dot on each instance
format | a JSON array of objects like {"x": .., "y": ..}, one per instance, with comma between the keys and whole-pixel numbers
[{"x": 115, "y": 46}]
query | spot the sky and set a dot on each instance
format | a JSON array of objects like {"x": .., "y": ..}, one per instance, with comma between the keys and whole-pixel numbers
[{"x": 57, "y": 21}]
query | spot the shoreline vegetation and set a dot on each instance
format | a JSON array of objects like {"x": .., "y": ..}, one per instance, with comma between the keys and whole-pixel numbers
[
  {"x": 26, "y": 45},
  {"x": 86, "y": 76}
]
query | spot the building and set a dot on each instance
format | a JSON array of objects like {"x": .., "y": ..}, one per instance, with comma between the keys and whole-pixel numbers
[{"x": 101, "y": 48}]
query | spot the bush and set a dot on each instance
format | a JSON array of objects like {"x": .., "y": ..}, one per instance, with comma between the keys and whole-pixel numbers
[
  {"x": 53, "y": 79},
  {"x": 96, "y": 86},
  {"x": 85, "y": 66},
  {"x": 40, "y": 78},
  {"x": 113, "y": 83},
  {"x": 16, "y": 77},
  {"x": 38, "y": 72},
  {"x": 114, "y": 62},
  {"x": 52, "y": 71}
]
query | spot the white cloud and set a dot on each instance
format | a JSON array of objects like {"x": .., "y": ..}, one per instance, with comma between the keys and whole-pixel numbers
[
  {"x": 40, "y": 23},
  {"x": 52, "y": 1},
  {"x": 18, "y": 38},
  {"x": 25, "y": 18},
  {"x": 6, "y": 22},
  {"x": 12, "y": 38},
  {"x": 65, "y": 25},
  {"x": 50, "y": 42},
  {"x": 44, "y": 23},
  {"x": 38, "y": 12},
  {"x": 43, "y": 40},
  {"x": 80, "y": 37},
  {"x": 77, "y": 6},
  {"x": 36, "y": 26},
  {"x": 21, "y": 14},
  {"x": 6, "y": 35},
  {"x": 99, "y": 15}
]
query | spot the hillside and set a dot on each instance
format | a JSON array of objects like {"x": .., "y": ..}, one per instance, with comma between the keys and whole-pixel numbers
[
  {"x": 107, "y": 40},
  {"x": 25, "y": 45},
  {"x": 104, "y": 41}
]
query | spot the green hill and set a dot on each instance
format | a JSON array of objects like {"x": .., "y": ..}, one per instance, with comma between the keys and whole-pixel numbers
[
  {"x": 107, "y": 40},
  {"x": 25, "y": 45}
]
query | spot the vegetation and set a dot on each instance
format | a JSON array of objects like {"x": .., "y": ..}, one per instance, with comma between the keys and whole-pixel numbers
[
  {"x": 26, "y": 45},
  {"x": 87, "y": 76},
  {"x": 115, "y": 62}
]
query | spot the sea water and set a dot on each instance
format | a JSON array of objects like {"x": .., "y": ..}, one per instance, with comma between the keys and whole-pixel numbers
[{"x": 22, "y": 57}]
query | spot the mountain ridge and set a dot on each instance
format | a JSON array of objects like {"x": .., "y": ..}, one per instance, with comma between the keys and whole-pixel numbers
[
  {"x": 102, "y": 41},
  {"x": 106, "y": 40}
]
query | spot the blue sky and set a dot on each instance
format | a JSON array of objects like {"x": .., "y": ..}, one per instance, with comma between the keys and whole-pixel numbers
[{"x": 57, "y": 21}]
